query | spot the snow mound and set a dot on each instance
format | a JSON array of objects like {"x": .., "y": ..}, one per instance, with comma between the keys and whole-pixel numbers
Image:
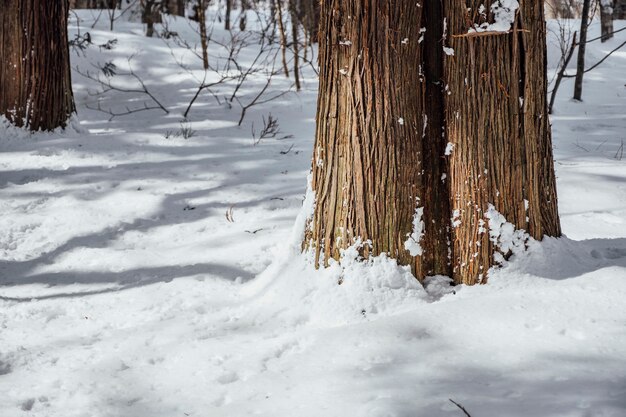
[{"x": 349, "y": 291}]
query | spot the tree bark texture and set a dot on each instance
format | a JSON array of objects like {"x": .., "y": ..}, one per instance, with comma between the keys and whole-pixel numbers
[
  {"x": 392, "y": 107},
  {"x": 35, "y": 80},
  {"x": 497, "y": 120}
]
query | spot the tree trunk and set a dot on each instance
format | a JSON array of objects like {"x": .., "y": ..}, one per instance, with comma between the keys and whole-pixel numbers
[
  {"x": 606, "y": 19},
  {"x": 497, "y": 121},
  {"x": 415, "y": 170},
  {"x": 150, "y": 14},
  {"x": 204, "y": 41},
  {"x": 293, "y": 11},
  {"x": 368, "y": 158},
  {"x": 283, "y": 37},
  {"x": 580, "y": 66},
  {"x": 35, "y": 80},
  {"x": 229, "y": 5}
]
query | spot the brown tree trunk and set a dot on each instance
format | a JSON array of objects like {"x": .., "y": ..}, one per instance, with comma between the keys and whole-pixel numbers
[
  {"x": 367, "y": 161},
  {"x": 35, "y": 81},
  {"x": 293, "y": 11},
  {"x": 472, "y": 131},
  {"x": 229, "y": 5},
  {"x": 311, "y": 18},
  {"x": 204, "y": 41},
  {"x": 497, "y": 121},
  {"x": 580, "y": 65},
  {"x": 150, "y": 14},
  {"x": 283, "y": 36},
  {"x": 606, "y": 19}
]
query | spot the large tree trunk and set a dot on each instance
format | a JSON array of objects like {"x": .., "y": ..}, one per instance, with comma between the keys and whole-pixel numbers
[
  {"x": 35, "y": 82},
  {"x": 497, "y": 121},
  {"x": 416, "y": 144},
  {"x": 367, "y": 160}
]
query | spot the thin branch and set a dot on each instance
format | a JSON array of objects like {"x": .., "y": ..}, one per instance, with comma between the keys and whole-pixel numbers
[
  {"x": 460, "y": 406},
  {"x": 597, "y": 63}
]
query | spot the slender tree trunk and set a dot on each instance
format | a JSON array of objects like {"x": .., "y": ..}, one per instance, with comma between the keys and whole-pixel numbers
[
  {"x": 150, "y": 14},
  {"x": 273, "y": 20},
  {"x": 204, "y": 42},
  {"x": 283, "y": 37},
  {"x": 425, "y": 164},
  {"x": 243, "y": 16},
  {"x": 293, "y": 10},
  {"x": 580, "y": 66},
  {"x": 35, "y": 81},
  {"x": 606, "y": 19},
  {"x": 229, "y": 5}
]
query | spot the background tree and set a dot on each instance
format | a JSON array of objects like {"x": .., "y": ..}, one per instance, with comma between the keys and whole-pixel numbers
[
  {"x": 606, "y": 19},
  {"x": 419, "y": 182},
  {"x": 35, "y": 81},
  {"x": 582, "y": 45}
]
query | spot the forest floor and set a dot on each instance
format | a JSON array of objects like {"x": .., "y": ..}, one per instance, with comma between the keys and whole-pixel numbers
[{"x": 143, "y": 274}]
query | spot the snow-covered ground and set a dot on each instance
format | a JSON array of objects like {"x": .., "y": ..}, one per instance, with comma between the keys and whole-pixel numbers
[{"x": 145, "y": 276}]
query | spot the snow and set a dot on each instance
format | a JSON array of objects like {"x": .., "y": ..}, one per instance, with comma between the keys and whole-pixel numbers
[
  {"x": 412, "y": 243},
  {"x": 503, "y": 17},
  {"x": 126, "y": 291},
  {"x": 503, "y": 234}
]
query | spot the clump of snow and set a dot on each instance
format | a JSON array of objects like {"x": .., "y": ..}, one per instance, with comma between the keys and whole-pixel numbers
[
  {"x": 412, "y": 244},
  {"x": 503, "y": 17},
  {"x": 305, "y": 214},
  {"x": 438, "y": 286},
  {"x": 348, "y": 291},
  {"x": 456, "y": 218},
  {"x": 503, "y": 234},
  {"x": 449, "y": 149}
]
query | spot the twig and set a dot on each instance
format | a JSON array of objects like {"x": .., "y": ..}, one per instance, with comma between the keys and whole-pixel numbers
[
  {"x": 107, "y": 85},
  {"x": 461, "y": 407}
]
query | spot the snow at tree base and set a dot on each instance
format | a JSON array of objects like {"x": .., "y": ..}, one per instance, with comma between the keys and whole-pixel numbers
[{"x": 143, "y": 274}]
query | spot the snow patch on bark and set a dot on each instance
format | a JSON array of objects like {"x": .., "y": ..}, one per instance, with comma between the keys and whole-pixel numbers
[
  {"x": 412, "y": 244},
  {"x": 504, "y": 236},
  {"x": 503, "y": 17},
  {"x": 305, "y": 215}
]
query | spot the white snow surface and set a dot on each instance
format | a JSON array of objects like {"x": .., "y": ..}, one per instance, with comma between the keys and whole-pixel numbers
[{"x": 126, "y": 292}]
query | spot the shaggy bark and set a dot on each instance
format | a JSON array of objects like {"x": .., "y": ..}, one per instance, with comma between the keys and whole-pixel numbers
[
  {"x": 402, "y": 125},
  {"x": 497, "y": 120},
  {"x": 367, "y": 160},
  {"x": 35, "y": 81}
]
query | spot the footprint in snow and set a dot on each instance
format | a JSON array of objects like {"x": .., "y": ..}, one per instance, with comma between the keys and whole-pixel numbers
[{"x": 228, "y": 378}]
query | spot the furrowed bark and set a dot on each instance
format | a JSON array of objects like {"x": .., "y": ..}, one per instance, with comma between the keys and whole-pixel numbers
[
  {"x": 367, "y": 159},
  {"x": 35, "y": 81},
  {"x": 452, "y": 125},
  {"x": 497, "y": 119}
]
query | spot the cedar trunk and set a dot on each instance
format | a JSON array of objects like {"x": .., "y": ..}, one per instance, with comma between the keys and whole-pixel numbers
[
  {"x": 389, "y": 104},
  {"x": 497, "y": 119},
  {"x": 35, "y": 81}
]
